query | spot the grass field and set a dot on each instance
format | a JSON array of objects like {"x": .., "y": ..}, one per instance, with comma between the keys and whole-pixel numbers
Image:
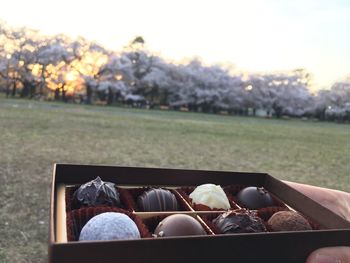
[{"x": 34, "y": 135}]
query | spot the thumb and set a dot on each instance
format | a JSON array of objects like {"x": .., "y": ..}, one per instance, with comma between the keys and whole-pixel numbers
[{"x": 330, "y": 255}]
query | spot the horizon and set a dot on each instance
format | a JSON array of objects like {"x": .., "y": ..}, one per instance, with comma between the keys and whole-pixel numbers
[{"x": 255, "y": 36}]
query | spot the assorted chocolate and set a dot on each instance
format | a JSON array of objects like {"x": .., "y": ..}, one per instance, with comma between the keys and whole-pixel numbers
[
  {"x": 239, "y": 221},
  {"x": 109, "y": 226},
  {"x": 288, "y": 221},
  {"x": 156, "y": 200},
  {"x": 113, "y": 214},
  {"x": 96, "y": 192},
  {"x": 210, "y": 195},
  {"x": 179, "y": 225},
  {"x": 254, "y": 198}
]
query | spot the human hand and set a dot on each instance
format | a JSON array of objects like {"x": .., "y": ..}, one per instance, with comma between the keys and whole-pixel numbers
[{"x": 339, "y": 203}]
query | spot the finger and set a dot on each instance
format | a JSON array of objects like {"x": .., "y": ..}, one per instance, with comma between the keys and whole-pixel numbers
[
  {"x": 330, "y": 255},
  {"x": 336, "y": 201},
  {"x": 326, "y": 197}
]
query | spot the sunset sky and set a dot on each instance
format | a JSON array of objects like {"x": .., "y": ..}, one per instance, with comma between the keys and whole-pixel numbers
[{"x": 254, "y": 35}]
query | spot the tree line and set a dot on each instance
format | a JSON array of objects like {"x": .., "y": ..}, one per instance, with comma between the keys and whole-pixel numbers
[{"x": 77, "y": 70}]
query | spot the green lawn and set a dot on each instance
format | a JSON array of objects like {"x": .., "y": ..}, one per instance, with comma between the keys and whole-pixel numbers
[{"x": 34, "y": 135}]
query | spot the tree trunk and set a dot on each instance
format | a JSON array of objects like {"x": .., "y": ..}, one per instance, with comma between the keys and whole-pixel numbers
[
  {"x": 111, "y": 97},
  {"x": 88, "y": 94},
  {"x": 14, "y": 89},
  {"x": 7, "y": 81},
  {"x": 32, "y": 90},
  {"x": 64, "y": 97},
  {"x": 42, "y": 84},
  {"x": 25, "y": 90},
  {"x": 57, "y": 94},
  {"x": 7, "y": 89}
]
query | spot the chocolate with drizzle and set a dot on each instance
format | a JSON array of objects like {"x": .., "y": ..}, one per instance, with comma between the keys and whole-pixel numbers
[{"x": 155, "y": 200}]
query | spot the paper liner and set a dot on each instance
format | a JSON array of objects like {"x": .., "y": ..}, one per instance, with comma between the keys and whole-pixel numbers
[
  {"x": 232, "y": 200},
  {"x": 208, "y": 220},
  {"x": 76, "y": 219},
  {"x": 267, "y": 212},
  {"x": 152, "y": 222},
  {"x": 126, "y": 199},
  {"x": 233, "y": 189},
  {"x": 186, "y": 191},
  {"x": 277, "y": 201},
  {"x": 69, "y": 197},
  {"x": 134, "y": 193},
  {"x": 314, "y": 225}
]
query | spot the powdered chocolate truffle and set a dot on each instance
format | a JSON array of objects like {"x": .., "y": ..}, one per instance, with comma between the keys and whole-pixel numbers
[
  {"x": 109, "y": 226},
  {"x": 179, "y": 225},
  {"x": 210, "y": 195},
  {"x": 254, "y": 198},
  {"x": 234, "y": 222},
  {"x": 157, "y": 200},
  {"x": 288, "y": 221},
  {"x": 96, "y": 192}
]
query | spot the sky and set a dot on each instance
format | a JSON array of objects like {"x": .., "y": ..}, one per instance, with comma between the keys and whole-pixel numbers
[{"x": 254, "y": 35}]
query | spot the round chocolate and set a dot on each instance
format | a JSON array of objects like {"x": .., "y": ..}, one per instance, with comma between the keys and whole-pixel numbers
[
  {"x": 157, "y": 200},
  {"x": 288, "y": 221},
  {"x": 179, "y": 225},
  {"x": 234, "y": 222},
  {"x": 96, "y": 192},
  {"x": 254, "y": 198},
  {"x": 109, "y": 226}
]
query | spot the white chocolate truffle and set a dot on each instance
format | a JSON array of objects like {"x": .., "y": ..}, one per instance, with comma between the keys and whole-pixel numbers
[
  {"x": 210, "y": 195},
  {"x": 109, "y": 226}
]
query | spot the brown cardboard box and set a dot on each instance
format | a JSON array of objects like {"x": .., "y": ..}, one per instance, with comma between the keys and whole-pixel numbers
[{"x": 257, "y": 247}]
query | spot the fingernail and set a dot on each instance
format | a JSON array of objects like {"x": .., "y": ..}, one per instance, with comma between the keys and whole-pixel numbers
[{"x": 326, "y": 259}]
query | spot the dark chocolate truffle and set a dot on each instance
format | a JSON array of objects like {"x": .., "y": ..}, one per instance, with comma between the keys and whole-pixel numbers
[
  {"x": 179, "y": 225},
  {"x": 288, "y": 221},
  {"x": 254, "y": 198},
  {"x": 155, "y": 200},
  {"x": 234, "y": 222},
  {"x": 96, "y": 192},
  {"x": 109, "y": 226}
]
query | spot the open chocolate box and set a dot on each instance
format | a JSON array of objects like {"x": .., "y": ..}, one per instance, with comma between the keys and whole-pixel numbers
[{"x": 66, "y": 221}]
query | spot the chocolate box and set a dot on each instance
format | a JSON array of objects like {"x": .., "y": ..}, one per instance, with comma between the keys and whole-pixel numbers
[{"x": 329, "y": 229}]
